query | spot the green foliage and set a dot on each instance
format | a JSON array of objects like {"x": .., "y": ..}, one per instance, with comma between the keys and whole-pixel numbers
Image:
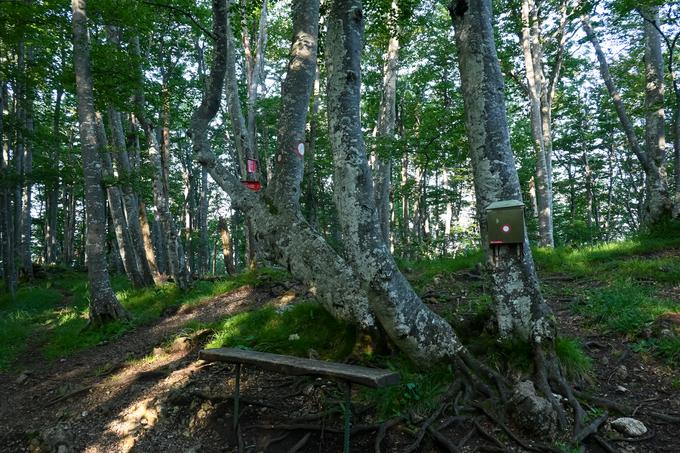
[
  {"x": 293, "y": 330},
  {"x": 625, "y": 308},
  {"x": 419, "y": 391},
  {"x": 53, "y": 314},
  {"x": 421, "y": 272},
  {"x": 575, "y": 361}
]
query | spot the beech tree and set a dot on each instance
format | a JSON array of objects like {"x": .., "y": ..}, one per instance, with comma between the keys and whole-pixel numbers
[
  {"x": 652, "y": 158},
  {"x": 104, "y": 306}
]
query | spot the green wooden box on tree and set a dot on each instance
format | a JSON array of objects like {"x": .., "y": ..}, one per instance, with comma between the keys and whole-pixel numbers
[{"x": 505, "y": 221}]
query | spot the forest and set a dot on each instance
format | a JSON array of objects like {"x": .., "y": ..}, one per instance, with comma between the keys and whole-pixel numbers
[{"x": 341, "y": 225}]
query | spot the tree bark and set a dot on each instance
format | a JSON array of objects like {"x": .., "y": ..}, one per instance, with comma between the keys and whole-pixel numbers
[
  {"x": 52, "y": 187},
  {"x": 206, "y": 111},
  {"x": 119, "y": 223},
  {"x": 533, "y": 54},
  {"x": 280, "y": 228},
  {"x": 103, "y": 303},
  {"x": 657, "y": 201},
  {"x": 415, "y": 329},
  {"x": 149, "y": 273},
  {"x": 520, "y": 309},
  {"x": 6, "y": 224},
  {"x": 225, "y": 237},
  {"x": 174, "y": 251},
  {"x": 386, "y": 123}
]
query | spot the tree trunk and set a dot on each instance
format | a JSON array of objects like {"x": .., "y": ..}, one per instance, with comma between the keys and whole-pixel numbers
[
  {"x": 148, "y": 271},
  {"x": 225, "y": 237},
  {"x": 146, "y": 238},
  {"x": 103, "y": 303},
  {"x": 6, "y": 224},
  {"x": 415, "y": 329},
  {"x": 386, "y": 123},
  {"x": 657, "y": 202},
  {"x": 206, "y": 111},
  {"x": 174, "y": 251},
  {"x": 520, "y": 309},
  {"x": 312, "y": 182},
  {"x": 280, "y": 228},
  {"x": 119, "y": 223},
  {"x": 52, "y": 187},
  {"x": 536, "y": 85}
]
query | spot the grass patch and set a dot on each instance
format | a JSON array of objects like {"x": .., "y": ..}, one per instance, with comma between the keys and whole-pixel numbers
[
  {"x": 54, "y": 311},
  {"x": 297, "y": 330},
  {"x": 421, "y": 272},
  {"x": 667, "y": 349},
  {"x": 419, "y": 391},
  {"x": 626, "y": 308}
]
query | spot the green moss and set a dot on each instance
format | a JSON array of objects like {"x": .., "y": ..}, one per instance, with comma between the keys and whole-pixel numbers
[{"x": 297, "y": 330}]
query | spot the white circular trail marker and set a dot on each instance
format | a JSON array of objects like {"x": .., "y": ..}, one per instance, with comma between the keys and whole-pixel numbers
[{"x": 300, "y": 149}]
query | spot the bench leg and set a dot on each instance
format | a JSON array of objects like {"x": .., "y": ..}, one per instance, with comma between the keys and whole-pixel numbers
[
  {"x": 348, "y": 416},
  {"x": 237, "y": 394}
]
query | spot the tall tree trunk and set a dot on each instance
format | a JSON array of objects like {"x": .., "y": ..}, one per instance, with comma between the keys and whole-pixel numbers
[
  {"x": 146, "y": 238},
  {"x": 225, "y": 237},
  {"x": 536, "y": 85},
  {"x": 657, "y": 201},
  {"x": 174, "y": 251},
  {"x": 119, "y": 223},
  {"x": 386, "y": 123},
  {"x": 52, "y": 187},
  {"x": 149, "y": 273},
  {"x": 312, "y": 182},
  {"x": 207, "y": 110},
  {"x": 520, "y": 308},
  {"x": 409, "y": 323},
  {"x": 6, "y": 225},
  {"x": 103, "y": 303},
  {"x": 281, "y": 228},
  {"x": 515, "y": 285}
]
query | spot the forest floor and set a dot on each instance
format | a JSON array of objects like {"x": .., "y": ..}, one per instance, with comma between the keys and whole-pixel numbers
[{"x": 139, "y": 387}]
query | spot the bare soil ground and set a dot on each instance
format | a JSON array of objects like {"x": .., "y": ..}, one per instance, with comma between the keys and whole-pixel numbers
[{"x": 168, "y": 401}]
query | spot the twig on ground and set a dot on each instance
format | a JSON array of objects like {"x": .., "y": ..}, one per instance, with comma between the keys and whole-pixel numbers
[
  {"x": 301, "y": 443},
  {"x": 383, "y": 430}
]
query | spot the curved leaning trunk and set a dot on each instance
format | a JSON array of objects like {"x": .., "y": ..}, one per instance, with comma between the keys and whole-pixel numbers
[
  {"x": 415, "y": 329},
  {"x": 275, "y": 216}
]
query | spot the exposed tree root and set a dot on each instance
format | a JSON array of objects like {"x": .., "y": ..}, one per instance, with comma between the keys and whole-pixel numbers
[
  {"x": 300, "y": 444},
  {"x": 591, "y": 428},
  {"x": 383, "y": 431},
  {"x": 442, "y": 440},
  {"x": 484, "y": 433},
  {"x": 624, "y": 409},
  {"x": 423, "y": 429},
  {"x": 606, "y": 446}
]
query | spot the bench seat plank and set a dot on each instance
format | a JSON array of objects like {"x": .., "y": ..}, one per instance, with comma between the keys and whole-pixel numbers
[{"x": 370, "y": 377}]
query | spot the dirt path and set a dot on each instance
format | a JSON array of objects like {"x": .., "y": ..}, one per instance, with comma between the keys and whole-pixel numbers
[{"x": 79, "y": 391}]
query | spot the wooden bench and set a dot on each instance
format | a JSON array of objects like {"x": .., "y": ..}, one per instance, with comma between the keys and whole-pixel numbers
[{"x": 297, "y": 366}]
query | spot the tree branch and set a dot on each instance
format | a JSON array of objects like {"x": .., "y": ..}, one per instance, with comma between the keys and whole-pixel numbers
[{"x": 179, "y": 11}]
